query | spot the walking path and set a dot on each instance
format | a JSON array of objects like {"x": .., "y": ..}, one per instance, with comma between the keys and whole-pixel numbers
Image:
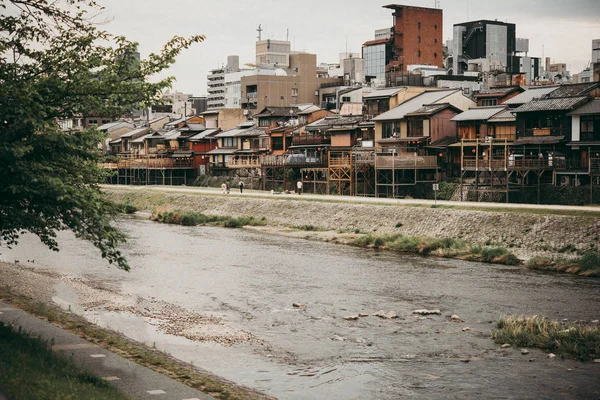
[
  {"x": 350, "y": 199},
  {"x": 134, "y": 380}
]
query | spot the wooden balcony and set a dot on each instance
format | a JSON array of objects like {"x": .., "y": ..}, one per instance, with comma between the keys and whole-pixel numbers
[
  {"x": 308, "y": 140},
  {"x": 245, "y": 162},
  {"x": 405, "y": 161}
]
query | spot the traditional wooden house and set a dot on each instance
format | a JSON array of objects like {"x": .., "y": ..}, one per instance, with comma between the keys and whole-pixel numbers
[
  {"x": 496, "y": 95},
  {"x": 241, "y": 147},
  {"x": 380, "y": 101},
  {"x": 201, "y": 144},
  {"x": 581, "y": 165},
  {"x": 123, "y": 144},
  {"x": 181, "y": 122},
  {"x": 391, "y": 128}
]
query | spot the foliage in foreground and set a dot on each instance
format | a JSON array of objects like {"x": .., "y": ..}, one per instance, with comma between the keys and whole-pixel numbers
[
  {"x": 448, "y": 247},
  {"x": 197, "y": 218},
  {"x": 576, "y": 340},
  {"x": 587, "y": 264},
  {"x": 56, "y": 64},
  {"x": 30, "y": 370}
]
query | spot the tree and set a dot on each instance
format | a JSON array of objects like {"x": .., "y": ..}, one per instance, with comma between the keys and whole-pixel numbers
[{"x": 57, "y": 63}]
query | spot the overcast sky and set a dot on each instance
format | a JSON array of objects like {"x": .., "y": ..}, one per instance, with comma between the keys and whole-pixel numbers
[{"x": 562, "y": 30}]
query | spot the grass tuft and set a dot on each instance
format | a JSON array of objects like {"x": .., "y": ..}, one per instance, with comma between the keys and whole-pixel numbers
[
  {"x": 30, "y": 370},
  {"x": 448, "y": 247},
  {"x": 196, "y": 218},
  {"x": 576, "y": 340},
  {"x": 588, "y": 264}
]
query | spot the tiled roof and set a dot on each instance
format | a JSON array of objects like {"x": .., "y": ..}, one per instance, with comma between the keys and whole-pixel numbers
[
  {"x": 497, "y": 91},
  {"x": 554, "y": 104},
  {"x": 135, "y": 132},
  {"x": 593, "y": 107},
  {"x": 478, "y": 114},
  {"x": 503, "y": 116},
  {"x": 204, "y": 134},
  {"x": 429, "y": 109},
  {"x": 277, "y": 112},
  {"x": 530, "y": 94},
  {"x": 414, "y": 104},
  {"x": 382, "y": 93},
  {"x": 245, "y": 129},
  {"x": 576, "y": 90},
  {"x": 332, "y": 121}
]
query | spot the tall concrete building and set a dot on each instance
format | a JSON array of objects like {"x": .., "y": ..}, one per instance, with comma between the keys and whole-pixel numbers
[
  {"x": 273, "y": 53},
  {"x": 416, "y": 36},
  {"x": 297, "y": 84},
  {"x": 486, "y": 46}
]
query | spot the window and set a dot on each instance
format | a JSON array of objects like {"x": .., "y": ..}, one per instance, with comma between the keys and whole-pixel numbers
[
  {"x": 435, "y": 27},
  {"x": 346, "y": 99},
  {"x": 415, "y": 127},
  {"x": 277, "y": 143},
  {"x": 489, "y": 102},
  {"x": 230, "y": 142},
  {"x": 434, "y": 40},
  {"x": 294, "y": 92},
  {"x": 419, "y": 53},
  {"x": 390, "y": 129},
  {"x": 263, "y": 122},
  {"x": 419, "y": 39},
  {"x": 93, "y": 122},
  {"x": 419, "y": 25}
]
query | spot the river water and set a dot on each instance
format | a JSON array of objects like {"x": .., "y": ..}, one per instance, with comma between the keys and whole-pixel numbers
[{"x": 250, "y": 281}]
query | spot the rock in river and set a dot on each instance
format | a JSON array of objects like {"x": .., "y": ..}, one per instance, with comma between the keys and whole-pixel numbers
[
  {"x": 427, "y": 312},
  {"x": 386, "y": 315}
]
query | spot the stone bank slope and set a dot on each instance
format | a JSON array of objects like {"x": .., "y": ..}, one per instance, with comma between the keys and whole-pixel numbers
[{"x": 523, "y": 233}]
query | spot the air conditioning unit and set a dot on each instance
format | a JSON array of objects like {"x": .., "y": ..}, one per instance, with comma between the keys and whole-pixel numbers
[{"x": 565, "y": 181}]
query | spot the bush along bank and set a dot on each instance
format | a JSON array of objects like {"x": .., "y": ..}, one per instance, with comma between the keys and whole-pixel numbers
[
  {"x": 447, "y": 248},
  {"x": 572, "y": 339},
  {"x": 587, "y": 264},
  {"x": 188, "y": 218}
]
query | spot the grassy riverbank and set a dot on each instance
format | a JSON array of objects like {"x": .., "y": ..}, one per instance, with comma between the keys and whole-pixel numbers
[
  {"x": 30, "y": 370},
  {"x": 575, "y": 340},
  {"x": 448, "y": 248},
  {"x": 587, "y": 264},
  {"x": 132, "y": 350},
  {"x": 189, "y": 218}
]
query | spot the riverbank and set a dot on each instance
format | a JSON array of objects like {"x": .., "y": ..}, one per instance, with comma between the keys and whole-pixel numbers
[
  {"x": 523, "y": 231},
  {"x": 34, "y": 291}
]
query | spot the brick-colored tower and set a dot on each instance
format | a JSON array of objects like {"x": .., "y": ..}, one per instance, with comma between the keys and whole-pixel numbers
[{"x": 417, "y": 36}]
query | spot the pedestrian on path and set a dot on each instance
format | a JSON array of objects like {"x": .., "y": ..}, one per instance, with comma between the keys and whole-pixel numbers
[
  {"x": 299, "y": 187},
  {"x": 241, "y": 186},
  {"x": 223, "y": 187},
  {"x": 227, "y": 187}
]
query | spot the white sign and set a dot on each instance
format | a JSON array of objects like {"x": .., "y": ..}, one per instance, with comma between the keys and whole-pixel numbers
[{"x": 436, "y": 186}]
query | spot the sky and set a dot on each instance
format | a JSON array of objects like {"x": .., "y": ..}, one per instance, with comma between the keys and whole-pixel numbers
[{"x": 557, "y": 29}]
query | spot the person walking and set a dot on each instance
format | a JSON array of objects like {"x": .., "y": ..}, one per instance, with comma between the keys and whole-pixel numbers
[
  {"x": 299, "y": 187},
  {"x": 241, "y": 186},
  {"x": 227, "y": 187},
  {"x": 223, "y": 187}
]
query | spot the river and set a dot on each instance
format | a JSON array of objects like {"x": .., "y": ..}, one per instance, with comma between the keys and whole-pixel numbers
[{"x": 250, "y": 281}]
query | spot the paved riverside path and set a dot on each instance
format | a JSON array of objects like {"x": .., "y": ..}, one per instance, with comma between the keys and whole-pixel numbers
[
  {"x": 348, "y": 199},
  {"x": 134, "y": 380}
]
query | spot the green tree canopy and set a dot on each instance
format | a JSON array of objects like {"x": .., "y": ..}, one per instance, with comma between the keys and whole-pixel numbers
[{"x": 56, "y": 63}]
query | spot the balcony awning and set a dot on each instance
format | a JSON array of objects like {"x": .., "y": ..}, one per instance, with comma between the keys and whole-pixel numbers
[
  {"x": 251, "y": 151},
  {"x": 182, "y": 154},
  {"x": 591, "y": 144},
  {"x": 539, "y": 140},
  {"x": 222, "y": 151}
]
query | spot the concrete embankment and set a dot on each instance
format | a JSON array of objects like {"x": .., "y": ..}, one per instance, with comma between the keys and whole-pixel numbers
[{"x": 524, "y": 232}]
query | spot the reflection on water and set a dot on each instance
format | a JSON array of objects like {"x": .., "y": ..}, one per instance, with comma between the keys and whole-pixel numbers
[{"x": 251, "y": 280}]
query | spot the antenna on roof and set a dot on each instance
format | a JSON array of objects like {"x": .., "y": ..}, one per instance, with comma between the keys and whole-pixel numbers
[
  {"x": 259, "y": 30},
  {"x": 287, "y": 35}
]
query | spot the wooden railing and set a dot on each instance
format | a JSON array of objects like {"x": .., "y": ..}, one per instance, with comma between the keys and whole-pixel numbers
[
  {"x": 245, "y": 162},
  {"x": 406, "y": 161},
  {"x": 310, "y": 140}
]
